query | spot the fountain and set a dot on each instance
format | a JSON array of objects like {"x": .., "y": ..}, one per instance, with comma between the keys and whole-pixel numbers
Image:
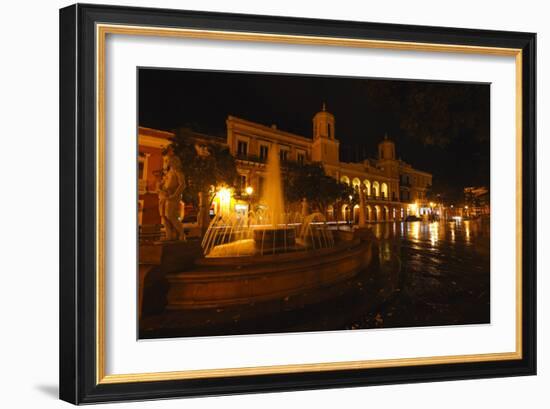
[
  {"x": 267, "y": 255},
  {"x": 269, "y": 229}
]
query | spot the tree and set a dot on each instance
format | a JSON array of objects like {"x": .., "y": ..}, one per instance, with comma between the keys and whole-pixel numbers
[
  {"x": 206, "y": 165},
  {"x": 310, "y": 182}
]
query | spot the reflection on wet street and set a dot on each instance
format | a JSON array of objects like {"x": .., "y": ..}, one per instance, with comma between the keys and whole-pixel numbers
[{"x": 444, "y": 270}]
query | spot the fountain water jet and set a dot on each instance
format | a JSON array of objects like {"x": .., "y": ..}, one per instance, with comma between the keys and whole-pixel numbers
[
  {"x": 273, "y": 193},
  {"x": 280, "y": 235}
]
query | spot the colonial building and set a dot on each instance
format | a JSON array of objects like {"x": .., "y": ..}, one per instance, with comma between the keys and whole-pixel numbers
[{"x": 393, "y": 189}]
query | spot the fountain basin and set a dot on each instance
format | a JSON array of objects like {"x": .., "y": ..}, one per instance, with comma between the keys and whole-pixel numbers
[
  {"x": 274, "y": 239},
  {"x": 220, "y": 282}
]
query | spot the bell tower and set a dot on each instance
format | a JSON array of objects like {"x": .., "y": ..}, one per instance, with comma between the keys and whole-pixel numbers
[
  {"x": 323, "y": 124},
  {"x": 389, "y": 165},
  {"x": 325, "y": 145},
  {"x": 386, "y": 149}
]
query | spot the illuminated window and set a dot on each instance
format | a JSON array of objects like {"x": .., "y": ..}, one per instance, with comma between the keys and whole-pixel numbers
[
  {"x": 263, "y": 152},
  {"x": 242, "y": 148}
]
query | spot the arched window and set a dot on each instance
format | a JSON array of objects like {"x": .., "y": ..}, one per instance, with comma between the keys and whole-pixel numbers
[
  {"x": 384, "y": 190},
  {"x": 366, "y": 182},
  {"x": 375, "y": 189},
  {"x": 344, "y": 179}
]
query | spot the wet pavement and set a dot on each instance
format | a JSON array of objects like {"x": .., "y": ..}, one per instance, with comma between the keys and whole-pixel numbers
[
  {"x": 444, "y": 274},
  {"x": 425, "y": 274}
]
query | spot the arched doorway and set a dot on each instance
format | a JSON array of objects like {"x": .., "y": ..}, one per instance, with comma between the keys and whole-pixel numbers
[
  {"x": 346, "y": 213},
  {"x": 386, "y": 216},
  {"x": 356, "y": 211},
  {"x": 330, "y": 213},
  {"x": 376, "y": 213}
]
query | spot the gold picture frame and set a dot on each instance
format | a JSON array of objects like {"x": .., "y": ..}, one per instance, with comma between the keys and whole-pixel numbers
[{"x": 98, "y": 22}]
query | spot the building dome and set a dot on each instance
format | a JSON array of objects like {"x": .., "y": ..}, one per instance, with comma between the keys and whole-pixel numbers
[{"x": 386, "y": 149}]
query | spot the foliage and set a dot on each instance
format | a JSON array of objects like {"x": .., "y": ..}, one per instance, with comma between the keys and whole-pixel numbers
[
  {"x": 435, "y": 114},
  {"x": 214, "y": 166},
  {"x": 310, "y": 182}
]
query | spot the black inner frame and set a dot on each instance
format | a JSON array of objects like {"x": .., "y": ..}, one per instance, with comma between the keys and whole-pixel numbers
[{"x": 78, "y": 198}]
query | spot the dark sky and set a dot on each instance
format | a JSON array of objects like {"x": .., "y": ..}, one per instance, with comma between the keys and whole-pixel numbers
[{"x": 439, "y": 127}]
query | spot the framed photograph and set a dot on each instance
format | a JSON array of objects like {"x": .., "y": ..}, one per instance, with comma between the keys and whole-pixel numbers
[{"x": 257, "y": 203}]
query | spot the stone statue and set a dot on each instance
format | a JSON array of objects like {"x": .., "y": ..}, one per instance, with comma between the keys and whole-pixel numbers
[{"x": 170, "y": 191}]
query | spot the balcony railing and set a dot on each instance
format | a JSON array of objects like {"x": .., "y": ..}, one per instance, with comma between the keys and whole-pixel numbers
[
  {"x": 259, "y": 159},
  {"x": 250, "y": 158},
  {"x": 372, "y": 197}
]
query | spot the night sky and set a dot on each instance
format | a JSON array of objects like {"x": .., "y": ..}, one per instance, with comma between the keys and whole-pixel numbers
[{"x": 439, "y": 127}]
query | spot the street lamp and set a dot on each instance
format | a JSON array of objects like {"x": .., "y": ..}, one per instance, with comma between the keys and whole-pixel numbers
[{"x": 249, "y": 190}]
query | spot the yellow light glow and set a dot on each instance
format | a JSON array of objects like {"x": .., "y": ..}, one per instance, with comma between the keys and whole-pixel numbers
[
  {"x": 249, "y": 190},
  {"x": 224, "y": 195},
  {"x": 434, "y": 233},
  {"x": 415, "y": 230},
  {"x": 413, "y": 209}
]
